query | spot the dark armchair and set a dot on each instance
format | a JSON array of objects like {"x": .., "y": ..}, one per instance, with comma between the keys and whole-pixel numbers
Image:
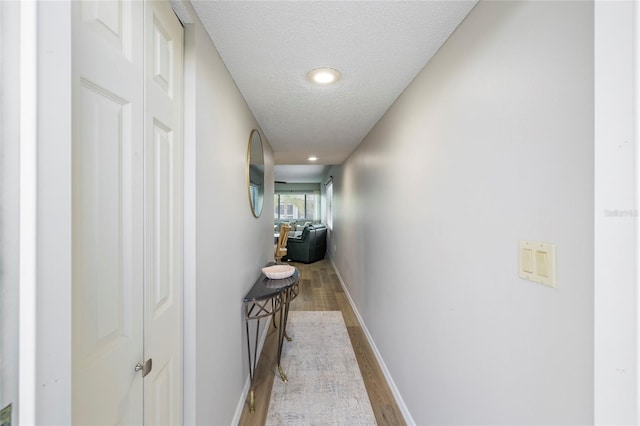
[{"x": 310, "y": 246}]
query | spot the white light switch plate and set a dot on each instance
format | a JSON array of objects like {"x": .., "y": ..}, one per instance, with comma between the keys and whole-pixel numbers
[{"x": 537, "y": 262}]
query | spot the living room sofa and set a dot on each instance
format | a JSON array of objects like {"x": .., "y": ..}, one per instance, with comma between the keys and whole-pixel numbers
[{"x": 310, "y": 246}]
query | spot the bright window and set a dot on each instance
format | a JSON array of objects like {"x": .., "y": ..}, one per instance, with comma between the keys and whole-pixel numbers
[
  {"x": 295, "y": 206},
  {"x": 329, "y": 204}
]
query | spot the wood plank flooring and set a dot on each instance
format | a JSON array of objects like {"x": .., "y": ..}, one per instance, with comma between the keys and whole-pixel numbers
[{"x": 320, "y": 290}]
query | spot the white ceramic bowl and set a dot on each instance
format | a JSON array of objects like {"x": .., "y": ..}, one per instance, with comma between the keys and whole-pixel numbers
[{"x": 276, "y": 272}]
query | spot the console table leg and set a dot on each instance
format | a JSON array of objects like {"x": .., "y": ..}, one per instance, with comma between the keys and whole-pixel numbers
[
  {"x": 252, "y": 359},
  {"x": 282, "y": 332},
  {"x": 273, "y": 309},
  {"x": 288, "y": 300},
  {"x": 282, "y": 375}
]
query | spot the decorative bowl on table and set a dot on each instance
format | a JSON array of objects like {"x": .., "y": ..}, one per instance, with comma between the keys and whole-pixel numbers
[{"x": 277, "y": 272}]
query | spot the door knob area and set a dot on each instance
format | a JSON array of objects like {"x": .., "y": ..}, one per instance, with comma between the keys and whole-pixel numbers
[{"x": 145, "y": 368}]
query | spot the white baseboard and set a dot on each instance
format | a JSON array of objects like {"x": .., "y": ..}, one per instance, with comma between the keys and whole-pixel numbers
[
  {"x": 394, "y": 389},
  {"x": 247, "y": 383}
]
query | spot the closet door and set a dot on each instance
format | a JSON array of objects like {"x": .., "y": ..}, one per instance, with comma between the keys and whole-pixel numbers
[
  {"x": 127, "y": 213},
  {"x": 163, "y": 214},
  {"x": 107, "y": 222}
]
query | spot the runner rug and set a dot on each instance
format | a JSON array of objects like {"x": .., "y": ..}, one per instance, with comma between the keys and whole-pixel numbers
[{"x": 325, "y": 386}]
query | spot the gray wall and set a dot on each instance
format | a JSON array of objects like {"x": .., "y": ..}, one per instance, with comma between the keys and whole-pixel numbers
[
  {"x": 225, "y": 246},
  {"x": 492, "y": 143}
]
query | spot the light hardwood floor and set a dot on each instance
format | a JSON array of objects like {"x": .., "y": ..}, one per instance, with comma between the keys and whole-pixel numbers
[{"x": 320, "y": 290}]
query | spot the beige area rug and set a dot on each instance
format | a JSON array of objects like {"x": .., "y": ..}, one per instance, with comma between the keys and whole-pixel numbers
[{"x": 325, "y": 386}]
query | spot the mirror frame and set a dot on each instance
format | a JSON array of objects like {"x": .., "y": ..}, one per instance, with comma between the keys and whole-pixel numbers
[{"x": 255, "y": 163}]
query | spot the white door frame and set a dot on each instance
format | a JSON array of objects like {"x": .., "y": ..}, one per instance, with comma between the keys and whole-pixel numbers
[
  {"x": 52, "y": 294},
  {"x": 28, "y": 204},
  {"x": 616, "y": 328}
]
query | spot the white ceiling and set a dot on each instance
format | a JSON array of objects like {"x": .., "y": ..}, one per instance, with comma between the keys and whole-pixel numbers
[{"x": 378, "y": 46}]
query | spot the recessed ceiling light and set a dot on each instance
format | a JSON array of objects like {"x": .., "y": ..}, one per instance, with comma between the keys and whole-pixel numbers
[
  {"x": 313, "y": 158},
  {"x": 323, "y": 75}
]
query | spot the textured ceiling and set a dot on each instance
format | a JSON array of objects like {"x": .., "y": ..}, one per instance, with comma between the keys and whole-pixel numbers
[{"x": 378, "y": 46}]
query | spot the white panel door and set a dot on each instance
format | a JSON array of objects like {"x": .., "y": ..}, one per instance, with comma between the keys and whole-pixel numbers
[
  {"x": 107, "y": 169},
  {"x": 163, "y": 214}
]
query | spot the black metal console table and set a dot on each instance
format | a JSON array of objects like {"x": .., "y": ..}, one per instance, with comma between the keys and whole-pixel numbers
[{"x": 265, "y": 299}]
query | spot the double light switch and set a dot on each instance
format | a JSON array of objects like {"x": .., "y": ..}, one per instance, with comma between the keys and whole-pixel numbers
[{"x": 538, "y": 262}]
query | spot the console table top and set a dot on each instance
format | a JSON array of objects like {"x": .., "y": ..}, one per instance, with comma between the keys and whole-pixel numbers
[{"x": 266, "y": 288}]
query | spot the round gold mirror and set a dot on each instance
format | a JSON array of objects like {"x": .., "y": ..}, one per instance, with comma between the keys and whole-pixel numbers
[{"x": 255, "y": 173}]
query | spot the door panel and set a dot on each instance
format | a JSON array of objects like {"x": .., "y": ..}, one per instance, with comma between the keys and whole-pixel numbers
[
  {"x": 162, "y": 56},
  {"x": 111, "y": 22},
  {"x": 106, "y": 295},
  {"x": 107, "y": 169},
  {"x": 163, "y": 396},
  {"x": 163, "y": 148}
]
